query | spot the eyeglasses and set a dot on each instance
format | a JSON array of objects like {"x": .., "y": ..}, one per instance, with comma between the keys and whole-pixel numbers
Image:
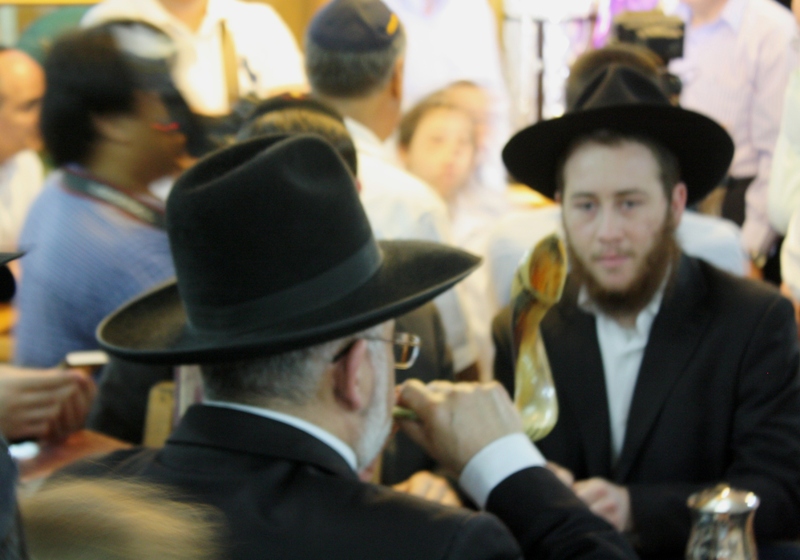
[{"x": 406, "y": 348}]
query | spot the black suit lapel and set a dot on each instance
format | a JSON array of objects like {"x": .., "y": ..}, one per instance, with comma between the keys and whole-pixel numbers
[
  {"x": 676, "y": 332},
  {"x": 255, "y": 435},
  {"x": 570, "y": 337}
]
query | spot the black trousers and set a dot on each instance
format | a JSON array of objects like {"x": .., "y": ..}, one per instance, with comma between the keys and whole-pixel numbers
[{"x": 733, "y": 208}]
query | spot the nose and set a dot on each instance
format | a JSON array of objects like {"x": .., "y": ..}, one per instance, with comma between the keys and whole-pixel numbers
[{"x": 608, "y": 225}]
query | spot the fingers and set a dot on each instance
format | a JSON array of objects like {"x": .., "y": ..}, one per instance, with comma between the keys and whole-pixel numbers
[
  {"x": 590, "y": 490},
  {"x": 457, "y": 420},
  {"x": 40, "y": 380},
  {"x": 31, "y": 401},
  {"x": 32, "y": 398},
  {"x": 31, "y": 430},
  {"x": 23, "y": 423},
  {"x": 74, "y": 409},
  {"x": 606, "y": 500},
  {"x": 563, "y": 474},
  {"x": 429, "y": 486}
]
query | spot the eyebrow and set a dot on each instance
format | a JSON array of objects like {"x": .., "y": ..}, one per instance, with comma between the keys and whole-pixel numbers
[{"x": 626, "y": 192}]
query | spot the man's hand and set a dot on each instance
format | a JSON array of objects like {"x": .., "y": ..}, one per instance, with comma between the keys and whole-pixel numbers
[
  {"x": 563, "y": 474},
  {"x": 457, "y": 420},
  {"x": 606, "y": 500},
  {"x": 74, "y": 409},
  {"x": 31, "y": 400},
  {"x": 432, "y": 487}
]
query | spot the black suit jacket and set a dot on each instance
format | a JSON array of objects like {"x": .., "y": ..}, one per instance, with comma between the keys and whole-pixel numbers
[
  {"x": 288, "y": 495},
  {"x": 717, "y": 399}
]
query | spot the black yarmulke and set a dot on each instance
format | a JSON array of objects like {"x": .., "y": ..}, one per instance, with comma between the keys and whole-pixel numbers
[{"x": 354, "y": 26}]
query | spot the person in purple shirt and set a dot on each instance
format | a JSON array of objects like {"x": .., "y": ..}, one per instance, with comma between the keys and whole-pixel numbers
[
  {"x": 94, "y": 238},
  {"x": 606, "y": 12},
  {"x": 737, "y": 58}
]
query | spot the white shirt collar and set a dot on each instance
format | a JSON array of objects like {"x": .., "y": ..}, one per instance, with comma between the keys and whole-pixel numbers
[
  {"x": 313, "y": 430},
  {"x": 366, "y": 141}
]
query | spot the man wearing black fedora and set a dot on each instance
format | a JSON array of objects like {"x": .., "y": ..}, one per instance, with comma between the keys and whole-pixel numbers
[
  {"x": 286, "y": 300},
  {"x": 671, "y": 375}
]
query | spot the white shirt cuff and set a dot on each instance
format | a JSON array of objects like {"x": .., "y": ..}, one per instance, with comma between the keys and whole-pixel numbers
[{"x": 496, "y": 462}]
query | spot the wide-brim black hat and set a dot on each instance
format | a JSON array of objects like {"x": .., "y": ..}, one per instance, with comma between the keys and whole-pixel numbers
[
  {"x": 621, "y": 99},
  {"x": 273, "y": 252}
]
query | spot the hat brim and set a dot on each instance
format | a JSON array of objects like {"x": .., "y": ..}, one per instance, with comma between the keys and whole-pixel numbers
[
  {"x": 153, "y": 328},
  {"x": 702, "y": 146}
]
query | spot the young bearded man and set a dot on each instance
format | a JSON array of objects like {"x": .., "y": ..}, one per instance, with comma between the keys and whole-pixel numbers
[{"x": 671, "y": 375}]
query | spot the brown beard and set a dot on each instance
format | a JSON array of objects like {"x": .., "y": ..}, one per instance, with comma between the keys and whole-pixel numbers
[{"x": 662, "y": 258}]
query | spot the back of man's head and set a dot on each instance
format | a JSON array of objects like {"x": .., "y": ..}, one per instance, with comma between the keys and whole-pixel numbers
[
  {"x": 352, "y": 47},
  {"x": 301, "y": 119},
  {"x": 87, "y": 76}
]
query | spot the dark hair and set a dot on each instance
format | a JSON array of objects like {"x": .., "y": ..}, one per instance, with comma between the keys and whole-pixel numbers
[
  {"x": 669, "y": 167},
  {"x": 86, "y": 75},
  {"x": 304, "y": 119},
  {"x": 586, "y": 66},
  {"x": 410, "y": 121},
  {"x": 351, "y": 74}
]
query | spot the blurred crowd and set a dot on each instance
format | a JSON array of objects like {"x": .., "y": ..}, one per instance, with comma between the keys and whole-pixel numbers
[{"x": 318, "y": 200}]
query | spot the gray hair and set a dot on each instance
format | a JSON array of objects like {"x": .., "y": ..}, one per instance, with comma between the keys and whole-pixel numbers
[
  {"x": 350, "y": 74},
  {"x": 290, "y": 377}
]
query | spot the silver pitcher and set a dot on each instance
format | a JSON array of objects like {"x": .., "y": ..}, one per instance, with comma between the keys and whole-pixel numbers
[{"x": 722, "y": 524}]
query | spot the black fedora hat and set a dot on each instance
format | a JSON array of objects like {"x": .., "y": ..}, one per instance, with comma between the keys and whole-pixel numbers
[
  {"x": 273, "y": 252},
  {"x": 623, "y": 100}
]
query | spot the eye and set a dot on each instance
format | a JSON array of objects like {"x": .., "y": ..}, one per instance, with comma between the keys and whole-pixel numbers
[
  {"x": 584, "y": 205},
  {"x": 630, "y": 203}
]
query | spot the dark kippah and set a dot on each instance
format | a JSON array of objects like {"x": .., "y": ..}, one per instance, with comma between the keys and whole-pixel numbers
[
  {"x": 286, "y": 101},
  {"x": 354, "y": 26}
]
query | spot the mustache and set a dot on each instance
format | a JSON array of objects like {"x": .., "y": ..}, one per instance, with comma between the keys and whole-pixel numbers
[
  {"x": 604, "y": 254},
  {"x": 611, "y": 251}
]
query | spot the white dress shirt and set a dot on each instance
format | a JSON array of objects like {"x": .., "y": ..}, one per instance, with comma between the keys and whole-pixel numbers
[
  {"x": 488, "y": 468},
  {"x": 267, "y": 52},
  {"x": 790, "y": 256},
  {"x": 622, "y": 349},
  {"x": 784, "y": 181},
  {"x": 21, "y": 180},
  {"x": 473, "y": 211},
  {"x": 400, "y": 206},
  {"x": 735, "y": 70},
  {"x": 496, "y": 462}
]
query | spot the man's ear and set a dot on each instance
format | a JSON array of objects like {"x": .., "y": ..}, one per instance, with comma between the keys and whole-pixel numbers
[
  {"x": 557, "y": 197},
  {"x": 348, "y": 377},
  {"x": 396, "y": 83},
  {"x": 402, "y": 155},
  {"x": 678, "y": 203},
  {"x": 113, "y": 128}
]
